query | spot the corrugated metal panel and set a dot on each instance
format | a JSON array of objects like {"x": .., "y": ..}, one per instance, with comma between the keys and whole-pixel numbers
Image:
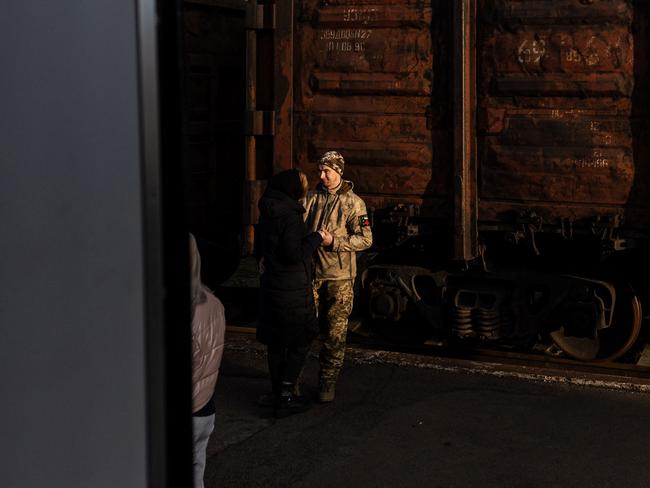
[{"x": 558, "y": 108}]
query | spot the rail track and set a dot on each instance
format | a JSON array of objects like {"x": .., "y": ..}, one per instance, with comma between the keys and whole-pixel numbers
[{"x": 532, "y": 366}]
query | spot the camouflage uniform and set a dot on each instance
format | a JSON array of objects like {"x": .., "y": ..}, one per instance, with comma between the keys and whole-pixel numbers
[
  {"x": 342, "y": 213},
  {"x": 334, "y": 300}
]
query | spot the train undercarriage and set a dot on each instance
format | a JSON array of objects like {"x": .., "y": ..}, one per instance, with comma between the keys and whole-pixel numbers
[{"x": 577, "y": 295}]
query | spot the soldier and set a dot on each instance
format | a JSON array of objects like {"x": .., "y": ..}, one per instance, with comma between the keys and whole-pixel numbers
[{"x": 333, "y": 206}]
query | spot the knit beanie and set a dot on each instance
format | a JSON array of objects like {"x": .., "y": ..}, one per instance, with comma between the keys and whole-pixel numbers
[{"x": 334, "y": 160}]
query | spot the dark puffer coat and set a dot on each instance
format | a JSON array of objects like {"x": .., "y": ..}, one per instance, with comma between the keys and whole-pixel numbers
[{"x": 287, "y": 311}]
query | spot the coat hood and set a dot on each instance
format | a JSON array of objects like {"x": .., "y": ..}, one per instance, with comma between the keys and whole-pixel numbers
[
  {"x": 274, "y": 204},
  {"x": 197, "y": 293},
  {"x": 287, "y": 182}
]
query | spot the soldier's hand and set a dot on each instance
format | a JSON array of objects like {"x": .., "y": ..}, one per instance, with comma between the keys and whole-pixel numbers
[
  {"x": 327, "y": 237},
  {"x": 260, "y": 266}
]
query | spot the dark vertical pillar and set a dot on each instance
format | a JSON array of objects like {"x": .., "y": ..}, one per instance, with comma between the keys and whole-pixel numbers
[
  {"x": 166, "y": 246},
  {"x": 465, "y": 171}
]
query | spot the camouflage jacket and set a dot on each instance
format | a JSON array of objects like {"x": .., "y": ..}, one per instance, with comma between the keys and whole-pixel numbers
[{"x": 343, "y": 214}]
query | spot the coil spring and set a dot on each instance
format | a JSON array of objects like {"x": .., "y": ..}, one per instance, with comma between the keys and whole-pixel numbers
[
  {"x": 508, "y": 323},
  {"x": 462, "y": 322},
  {"x": 488, "y": 323}
]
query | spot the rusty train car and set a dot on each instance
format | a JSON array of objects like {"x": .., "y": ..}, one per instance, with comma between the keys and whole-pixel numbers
[{"x": 501, "y": 146}]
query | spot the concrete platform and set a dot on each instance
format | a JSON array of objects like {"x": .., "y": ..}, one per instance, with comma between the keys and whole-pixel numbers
[{"x": 400, "y": 421}]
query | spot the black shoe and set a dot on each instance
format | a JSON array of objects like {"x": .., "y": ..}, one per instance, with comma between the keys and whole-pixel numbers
[
  {"x": 286, "y": 403},
  {"x": 267, "y": 400}
]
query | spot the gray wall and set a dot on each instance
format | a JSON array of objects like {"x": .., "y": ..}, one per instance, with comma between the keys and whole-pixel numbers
[{"x": 72, "y": 330}]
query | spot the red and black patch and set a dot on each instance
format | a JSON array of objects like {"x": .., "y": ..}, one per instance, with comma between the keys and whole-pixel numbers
[{"x": 364, "y": 221}]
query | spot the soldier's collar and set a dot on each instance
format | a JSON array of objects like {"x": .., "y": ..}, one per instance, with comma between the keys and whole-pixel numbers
[
  {"x": 336, "y": 189},
  {"x": 344, "y": 187}
]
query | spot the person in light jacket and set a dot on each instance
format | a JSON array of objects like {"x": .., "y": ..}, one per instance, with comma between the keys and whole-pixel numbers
[
  {"x": 208, "y": 329},
  {"x": 334, "y": 207}
]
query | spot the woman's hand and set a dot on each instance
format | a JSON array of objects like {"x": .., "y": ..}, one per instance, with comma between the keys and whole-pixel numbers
[{"x": 327, "y": 237}]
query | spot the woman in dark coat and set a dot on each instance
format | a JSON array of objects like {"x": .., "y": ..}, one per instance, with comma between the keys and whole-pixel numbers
[{"x": 287, "y": 322}]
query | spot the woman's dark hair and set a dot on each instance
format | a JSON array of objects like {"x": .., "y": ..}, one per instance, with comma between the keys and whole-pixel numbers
[{"x": 288, "y": 182}]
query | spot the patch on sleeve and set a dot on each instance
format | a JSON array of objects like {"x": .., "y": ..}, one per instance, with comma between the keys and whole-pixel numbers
[{"x": 364, "y": 221}]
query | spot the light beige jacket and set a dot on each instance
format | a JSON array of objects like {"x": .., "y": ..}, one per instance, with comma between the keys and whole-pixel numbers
[
  {"x": 208, "y": 330},
  {"x": 344, "y": 214}
]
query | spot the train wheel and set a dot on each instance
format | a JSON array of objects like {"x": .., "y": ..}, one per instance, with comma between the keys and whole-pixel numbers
[{"x": 610, "y": 343}]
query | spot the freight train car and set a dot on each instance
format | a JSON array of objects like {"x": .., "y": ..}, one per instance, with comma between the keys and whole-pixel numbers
[{"x": 501, "y": 145}]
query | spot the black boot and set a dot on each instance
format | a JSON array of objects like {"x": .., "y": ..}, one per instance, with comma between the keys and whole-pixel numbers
[{"x": 287, "y": 403}]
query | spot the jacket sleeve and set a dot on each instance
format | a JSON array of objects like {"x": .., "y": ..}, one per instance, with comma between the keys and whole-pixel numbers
[
  {"x": 220, "y": 332},
  {"x": 208, "y": 330},
  {"x": 309, "y": 204},
  {"x": 359, "y": 235},
  {"x": 294, "y": 245}
]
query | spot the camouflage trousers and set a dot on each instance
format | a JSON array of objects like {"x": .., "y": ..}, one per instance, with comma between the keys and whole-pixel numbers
[{"x": 334, "y": 304}]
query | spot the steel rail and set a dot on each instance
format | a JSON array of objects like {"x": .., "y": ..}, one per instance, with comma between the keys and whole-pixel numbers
[{"x": 508, "y": 360}]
